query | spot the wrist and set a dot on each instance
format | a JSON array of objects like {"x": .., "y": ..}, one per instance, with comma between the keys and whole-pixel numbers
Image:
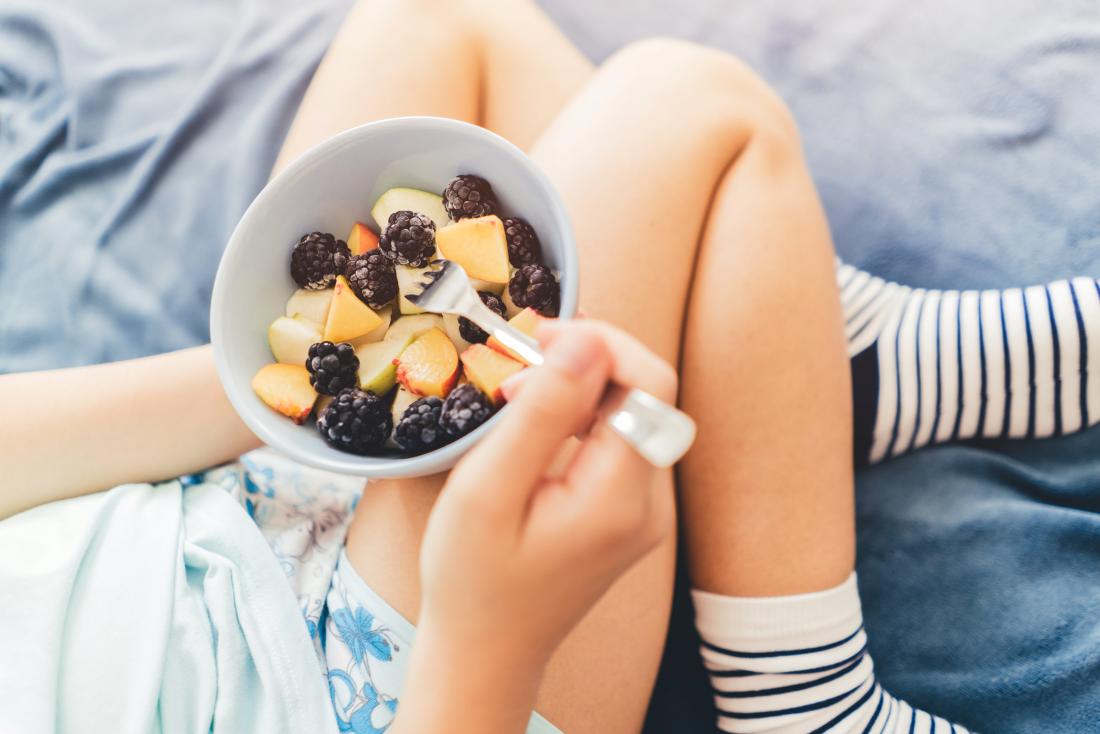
[{"x": 449, "y": 674}]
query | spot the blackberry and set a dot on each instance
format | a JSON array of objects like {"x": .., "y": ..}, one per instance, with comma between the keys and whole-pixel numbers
[
  {"x": 372, "y": 277},
  {"x": 418, "y": 430},
  {"x": 469, "y": 196},
  {"x": 332, "y": 367},
  {"x": 523, "y": 243},
  {"x": 317, "y": 259},
  {"x": 356, "y": 421},
  {"x": 465, "y": 409},
  {"x": 535, "y": 286},
  {"x": 409, "y": 239},
  {"x": 470, "y": 331}
]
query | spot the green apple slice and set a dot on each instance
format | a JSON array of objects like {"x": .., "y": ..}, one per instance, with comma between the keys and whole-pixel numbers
[
  {"x": 409, "y": 280},
  {"x": 377, "y": 371},
  {"x": 414, "y": 326},
  {"x": 291, "y": 338},
  {"x": 413, "y": 200},
  {"x": 510, "y": 308},
  {"x": 450, "y": 325},
  {"x": 312, "y": 305},
  {"x": 402, "y": 399}
]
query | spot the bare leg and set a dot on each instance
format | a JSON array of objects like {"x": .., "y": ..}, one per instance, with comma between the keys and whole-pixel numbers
[
  {"x": 638, "y": 156},
  {"x": 601, "y": 678},
  {"x": 503, "y": 65},
  {"x": 767, "y": 491}
]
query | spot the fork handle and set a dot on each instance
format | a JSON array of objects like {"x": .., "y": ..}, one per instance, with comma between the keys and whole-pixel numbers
[{"x": 659, "y": 432}]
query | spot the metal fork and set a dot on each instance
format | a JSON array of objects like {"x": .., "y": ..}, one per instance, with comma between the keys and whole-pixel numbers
[{"x": 660, "y": 433}]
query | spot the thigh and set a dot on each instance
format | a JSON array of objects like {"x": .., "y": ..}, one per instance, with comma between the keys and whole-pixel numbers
[
  {"x": 497, "y": 63},
  {"x": 637, "y": 156}
]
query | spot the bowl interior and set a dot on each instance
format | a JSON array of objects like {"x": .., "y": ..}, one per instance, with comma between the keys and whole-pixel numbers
[{"x": 328, "y": 189}]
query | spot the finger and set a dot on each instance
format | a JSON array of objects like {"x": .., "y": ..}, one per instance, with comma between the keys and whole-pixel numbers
[
  {"x": 612, "y": 484},
  {"x": 511, "y": 387},
  {"x": 558, "y": 397},
  {"x": 633, "y": 364}
]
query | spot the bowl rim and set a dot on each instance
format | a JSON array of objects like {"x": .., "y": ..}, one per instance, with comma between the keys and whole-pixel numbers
[{"x": 378, "y": 467}]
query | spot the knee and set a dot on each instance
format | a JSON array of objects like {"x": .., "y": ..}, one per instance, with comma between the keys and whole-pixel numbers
[{"x": 697, "y": 82}]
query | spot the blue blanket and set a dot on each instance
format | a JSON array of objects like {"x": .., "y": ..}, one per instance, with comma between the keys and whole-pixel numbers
[{"x": 955, "y": 144}]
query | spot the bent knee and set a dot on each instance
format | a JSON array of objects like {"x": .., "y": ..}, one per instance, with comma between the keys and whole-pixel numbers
[{"x": 698, "y": 82}]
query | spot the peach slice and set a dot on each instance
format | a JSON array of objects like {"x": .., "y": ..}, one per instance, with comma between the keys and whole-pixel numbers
[
  {"x": 285, "y": 388},
  {"x": 348, "y": 317},
  {"x": 429, "y": 366},
  {"x": 526, "y": 321},
  {"x": 488, "y": 369},
  {"x": 361, "y": 239},
  {"x": 478, "y": 245}
]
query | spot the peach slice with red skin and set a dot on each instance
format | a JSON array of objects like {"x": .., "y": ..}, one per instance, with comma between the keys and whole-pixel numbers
[
  {"x": 429, "y": 366},
  {"x": 285, "y": 388},
  {"x": 361, "y": 239},
  {"x": 487, "y": 369},
  {"x": 527, "y": 321}
]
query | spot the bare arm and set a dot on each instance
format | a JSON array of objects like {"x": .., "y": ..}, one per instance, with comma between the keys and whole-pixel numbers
[{"x": 74, "y": 431}]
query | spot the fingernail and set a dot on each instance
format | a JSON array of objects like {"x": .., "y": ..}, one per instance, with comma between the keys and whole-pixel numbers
[{"x": 572, "y": 353}]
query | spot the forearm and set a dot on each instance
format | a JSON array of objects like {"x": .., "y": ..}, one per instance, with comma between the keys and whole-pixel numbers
[
  {"x": 445, "y": 683},
  {"x": 74, "y": 431}
]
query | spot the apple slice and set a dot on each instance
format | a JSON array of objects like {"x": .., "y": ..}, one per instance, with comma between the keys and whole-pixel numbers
[
  {"x": 526, "y": 321},
  {"x": 483, "y": 285},
  {"x": 450, "y": 325},
  {"x": 488, "y": 369},
  {"x": 312, "y": 305},
  {"x": 402, "y": 399},
  {"x": 478, "y": 245},
  {"x": 379, "y": 332},
  {"x": 285, "y": 388},
  {"x": 377, "y": 368},
  {"x": 290, "y": 339},
  {"x": 412, "y": 200},
  {"x": 511, "y": 310},
  {"x": 361, "y": 239},
  {"x": 348, "y": 317},
  {"x": 413, "y": 326},
  {"x": 429, "y": 366},
  {"x": 409, "y": 280}
]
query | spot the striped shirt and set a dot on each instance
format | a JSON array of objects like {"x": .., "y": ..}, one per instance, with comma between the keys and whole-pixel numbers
[
  {"x": 934, "y": 366},
  {"x": 799, "y": 664}
]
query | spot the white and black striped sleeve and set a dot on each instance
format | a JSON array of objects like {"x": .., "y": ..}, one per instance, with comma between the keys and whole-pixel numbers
[
  {"x": 799, "y": 665},
  {"x": 934, "y": 366}
]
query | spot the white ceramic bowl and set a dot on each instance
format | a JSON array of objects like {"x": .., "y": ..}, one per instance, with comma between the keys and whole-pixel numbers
[{"x": 327, "y": 189}]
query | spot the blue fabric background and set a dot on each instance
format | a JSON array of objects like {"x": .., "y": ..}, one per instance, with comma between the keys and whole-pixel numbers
[{"x": 955, "y": 144}]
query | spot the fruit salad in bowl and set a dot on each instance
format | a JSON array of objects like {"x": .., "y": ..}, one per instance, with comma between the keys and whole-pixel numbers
[{"x": 329, "y": 359}]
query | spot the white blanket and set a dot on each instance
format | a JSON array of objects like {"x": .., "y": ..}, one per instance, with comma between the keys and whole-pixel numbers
[{"x": 151, "y": 609}]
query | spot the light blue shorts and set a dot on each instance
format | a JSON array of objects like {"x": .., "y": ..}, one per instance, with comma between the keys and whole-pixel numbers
[
  {"x": 363, "y": 644},
  {"x": 367, "y": 648}
]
